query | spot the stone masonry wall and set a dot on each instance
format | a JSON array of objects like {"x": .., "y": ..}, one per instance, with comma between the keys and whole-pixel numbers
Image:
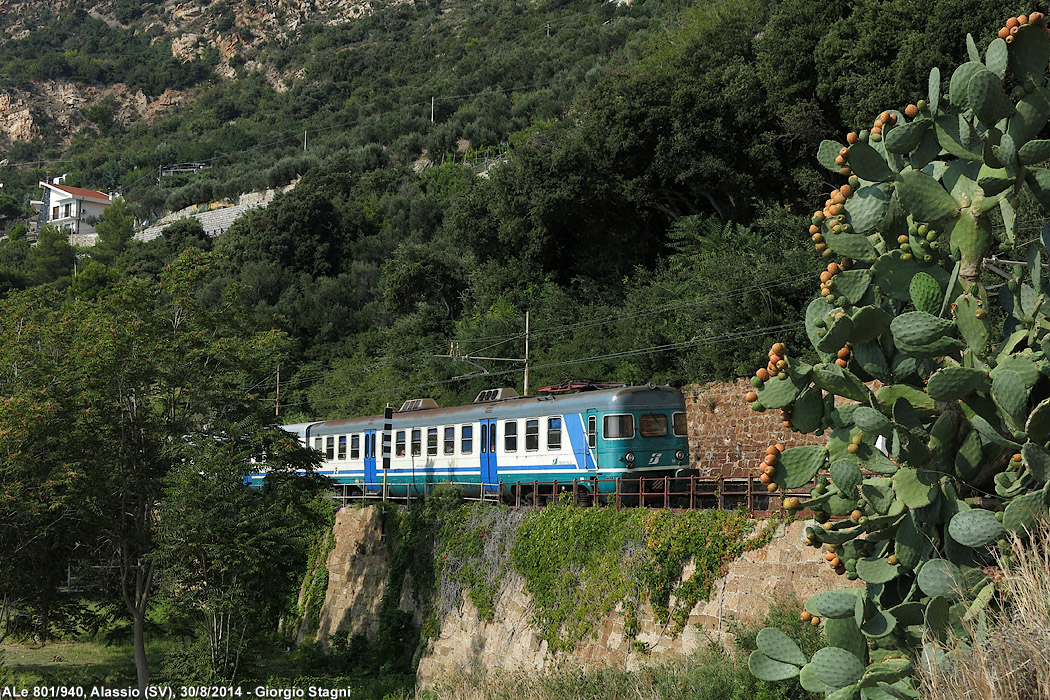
[
  {"x": 358, "y": 565},
  {"x": 727, "y": 438}
]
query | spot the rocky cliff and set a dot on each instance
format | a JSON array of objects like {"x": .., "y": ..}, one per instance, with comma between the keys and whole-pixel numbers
[
  {"x": 359, "y": 563},
  {"x": 224, "y": 31}
]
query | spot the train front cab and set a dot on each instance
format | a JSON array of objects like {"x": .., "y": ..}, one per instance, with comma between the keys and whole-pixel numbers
[{"x": 640, "y": 446}]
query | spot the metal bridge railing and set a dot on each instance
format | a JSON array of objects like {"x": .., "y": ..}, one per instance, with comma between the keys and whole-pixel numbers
[{"x": 674, "y": 493}]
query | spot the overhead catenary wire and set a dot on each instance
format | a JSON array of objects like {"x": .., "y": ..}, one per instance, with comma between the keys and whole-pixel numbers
[
  {"x": 563, "y": 328},
  {"x": 725, "y": 337}
]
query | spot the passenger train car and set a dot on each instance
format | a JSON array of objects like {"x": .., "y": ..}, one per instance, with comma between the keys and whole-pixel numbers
[{"x": 504, "y": 443}]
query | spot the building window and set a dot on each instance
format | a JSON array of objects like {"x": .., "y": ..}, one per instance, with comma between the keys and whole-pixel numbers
[
  {"x": 399, "y": 444},
  {"x": 450, "y": 440},
  {"x": 342, "y": 447},
  {"x": 432, "y": 441},
  {"x": 68, "y": 210},
  {"x": 54, "y": 212},
  {"x": 532, "y": 435},
  {"x": 355, "y": 447},
  {"x": 417, "y": 443},
  {"x": 466, "y": 439},
  {"x": 554, "y": 433},
  {"x": 510, "y": 436}
]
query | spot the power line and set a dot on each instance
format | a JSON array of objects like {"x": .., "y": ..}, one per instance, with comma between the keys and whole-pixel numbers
[
  {"x": 650, "y": 312},
  {"x": 736, "y": 335}
]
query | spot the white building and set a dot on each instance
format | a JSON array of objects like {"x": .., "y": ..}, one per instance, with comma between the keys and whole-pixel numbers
[{"x": 69, "y": 207}]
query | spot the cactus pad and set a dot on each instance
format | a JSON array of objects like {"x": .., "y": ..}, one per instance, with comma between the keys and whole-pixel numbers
[
  {"x": 1022, "y": 512},
  {"x": 926, "y": 293},
  {"x": 939, "y": 577},
  {"x": 876, "y": 570},
  {"x": 919, "y": 328},
  {"x": 913, "y": 545},
  {"x": 767, "y": 669},
  {"x": 777, "y": 393},
  {"x": 833, "y": 604},
  {"x": 827, "y": 152},
  {"x": 975, "y": 528},
  {"x": 924, "y": 197},
  {"x": 846, "y": 475},
  {"x": 841, "y": 382},
  {"x": 867, "y": 208},
  {"x": 953, "y": 383},
  {"x": 915, "y": 487},
  {"x": 973, "y": 321},
  {"x": 798, "y": 465},
  {"x": 869, "y": 322},
  {"x": 837, "y": 667},
  {"x": 780, "y": 647},
  {"x": 869, "y": 164},
  {"x": 1029, "y": 54},
  {"x": 809, "y": 681},
  {"x": 1010, "y": 395}
]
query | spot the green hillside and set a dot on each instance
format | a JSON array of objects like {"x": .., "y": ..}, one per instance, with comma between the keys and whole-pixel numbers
[{"x": 650, "y": 168}]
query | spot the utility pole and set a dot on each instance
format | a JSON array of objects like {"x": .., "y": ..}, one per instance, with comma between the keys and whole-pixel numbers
[
  {"x": 548, "y": 28},
  {"x": 431, "y": 109},
  {"x": 526, "y": 392},
  {"x": 304, "y": 140},
  {"x": 277, "y": 409}
]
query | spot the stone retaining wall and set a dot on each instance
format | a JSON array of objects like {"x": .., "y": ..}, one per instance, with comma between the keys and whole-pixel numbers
[{"x": 359, "y": 563}]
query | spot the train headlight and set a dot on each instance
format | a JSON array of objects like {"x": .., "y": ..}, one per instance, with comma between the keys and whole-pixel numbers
[
  {"x": 679, "y": 455},
  {"x": 629, "y": 457}
]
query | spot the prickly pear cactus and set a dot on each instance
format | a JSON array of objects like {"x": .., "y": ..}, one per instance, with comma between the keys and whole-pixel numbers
[{"x": 921, "y": 477}]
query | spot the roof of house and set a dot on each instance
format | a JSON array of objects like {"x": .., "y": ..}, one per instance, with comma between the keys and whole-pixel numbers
[{"x": 80, "y": 192}]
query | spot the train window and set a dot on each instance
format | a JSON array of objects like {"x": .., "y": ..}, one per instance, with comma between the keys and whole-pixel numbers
[
  {"x": 450, "y": 440},
  {"x": 355, "y": 447},
  {"x": 399, "y": 444},
  {"x": 554, "y": 433},
  {"x": 653, "y": 424},
  {"x": 619, "y": 426},
  {"x": 532, "y": 435},
  {"x": 592, "y": 431},
  {"x": 318, "y": 444},
  {"x": 679, "y": 424},
  {"x": 466, "y": 439},
  {"x": 329, "y": 448},
  {"x": 492, "y": 439},
  {"x": 432, "y": 441},
  {"x": 417, "y": 442},
  {"x": 510, "y": 436},
  {"x": 342, "y": 447}
]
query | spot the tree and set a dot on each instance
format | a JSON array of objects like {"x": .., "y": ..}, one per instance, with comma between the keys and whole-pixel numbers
[
  {"x": 115, "y": 229},
  {"x": 228, "y": 553},
  {"x": 130, "y": 374},
  {"x": 51, "y": 259}
]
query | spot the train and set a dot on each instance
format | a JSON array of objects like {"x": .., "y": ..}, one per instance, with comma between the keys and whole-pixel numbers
[{"x": 506, "y": 446}]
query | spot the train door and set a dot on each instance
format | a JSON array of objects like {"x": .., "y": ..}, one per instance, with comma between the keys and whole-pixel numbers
[
  {"x": 590, "y": 442},
  {"x": 371, "y": 483},
  {"x": 489, "y": 472}
]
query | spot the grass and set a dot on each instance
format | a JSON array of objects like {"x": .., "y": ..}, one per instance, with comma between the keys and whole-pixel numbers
[
  {"x": 1008, "y": 657},
  {"x": 72, "y": 663}
]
